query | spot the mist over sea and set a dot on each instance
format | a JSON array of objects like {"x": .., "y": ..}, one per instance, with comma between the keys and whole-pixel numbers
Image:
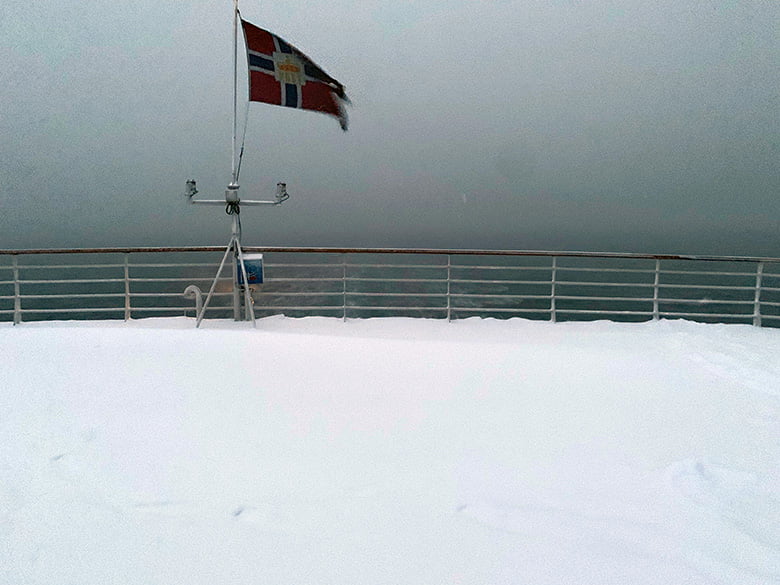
[{"x": 529, "y": 126}]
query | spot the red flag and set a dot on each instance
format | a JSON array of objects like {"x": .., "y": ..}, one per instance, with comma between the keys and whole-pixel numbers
[{"x": 280, "y": 74}]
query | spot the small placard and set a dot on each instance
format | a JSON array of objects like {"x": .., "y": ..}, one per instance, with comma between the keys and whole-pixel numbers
[{"x": 254, "y": 269}]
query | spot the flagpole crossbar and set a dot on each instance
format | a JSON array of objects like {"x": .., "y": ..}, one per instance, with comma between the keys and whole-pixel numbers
[{"x": 232, "y": 198}]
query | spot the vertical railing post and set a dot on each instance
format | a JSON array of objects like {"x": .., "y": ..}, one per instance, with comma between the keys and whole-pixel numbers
[
  {"x": 449, "y": 276},
  {"x": 656, "y": 283},
  {"x": 757, "y": 298},
  {"x": 17, "y": 292},
  {"x": 344, "y": 287},
  {"x": 552, "y": 289},
  {"x": 127, "y": 286}
]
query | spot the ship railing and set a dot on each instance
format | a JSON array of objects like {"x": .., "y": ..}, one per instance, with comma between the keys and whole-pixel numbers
[{"x": 130, "y": 283}]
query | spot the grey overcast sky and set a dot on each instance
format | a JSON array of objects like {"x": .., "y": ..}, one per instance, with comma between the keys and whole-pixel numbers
[{"x": 649, "y": 126}]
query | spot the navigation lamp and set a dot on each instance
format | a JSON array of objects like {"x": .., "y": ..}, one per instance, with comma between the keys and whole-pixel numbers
[
  {"x": 281, "y": 192},
  {"x": 191, "y": 189}
]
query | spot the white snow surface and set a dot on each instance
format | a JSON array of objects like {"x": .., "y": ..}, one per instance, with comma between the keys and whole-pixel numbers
[{"x": 389, "y": 451}]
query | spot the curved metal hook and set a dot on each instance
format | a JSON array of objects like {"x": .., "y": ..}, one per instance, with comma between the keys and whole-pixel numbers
[{"x": 194, "y": 291}]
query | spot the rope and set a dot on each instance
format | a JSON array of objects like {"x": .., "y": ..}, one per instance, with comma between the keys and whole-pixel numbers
[{"x": 243, "y": 140}]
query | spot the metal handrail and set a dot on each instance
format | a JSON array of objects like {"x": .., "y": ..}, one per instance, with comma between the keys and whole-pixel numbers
[
  {"x": 707, "y": 286},
  {"x": 617, "y": 284},
  {"x": 708, "y": 301},
  {"x": 622, "y": 270},
  {"x": 364, "y": 283},
  {"x": 416, "y": 251},
  {"x": 709, "y": 273}
]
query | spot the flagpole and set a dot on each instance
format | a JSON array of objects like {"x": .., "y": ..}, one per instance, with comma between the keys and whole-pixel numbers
[
  {"x": 234, "y": 173},
  {"x": 236, "y": 227}
]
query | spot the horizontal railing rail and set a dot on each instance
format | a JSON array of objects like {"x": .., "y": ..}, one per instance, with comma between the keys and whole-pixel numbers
[{"x": 127, "y": 283}]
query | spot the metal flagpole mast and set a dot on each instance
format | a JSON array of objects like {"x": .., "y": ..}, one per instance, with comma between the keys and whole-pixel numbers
[
  {"x": 234, "y": 164},
  {"x": 236, "y": 228}
]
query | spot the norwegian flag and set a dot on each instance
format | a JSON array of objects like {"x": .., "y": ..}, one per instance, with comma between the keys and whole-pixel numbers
[{"x": 280, "y": 74}]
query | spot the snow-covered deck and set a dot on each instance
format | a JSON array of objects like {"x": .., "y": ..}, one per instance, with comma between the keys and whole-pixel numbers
[{"x": 389, "y": 451}]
